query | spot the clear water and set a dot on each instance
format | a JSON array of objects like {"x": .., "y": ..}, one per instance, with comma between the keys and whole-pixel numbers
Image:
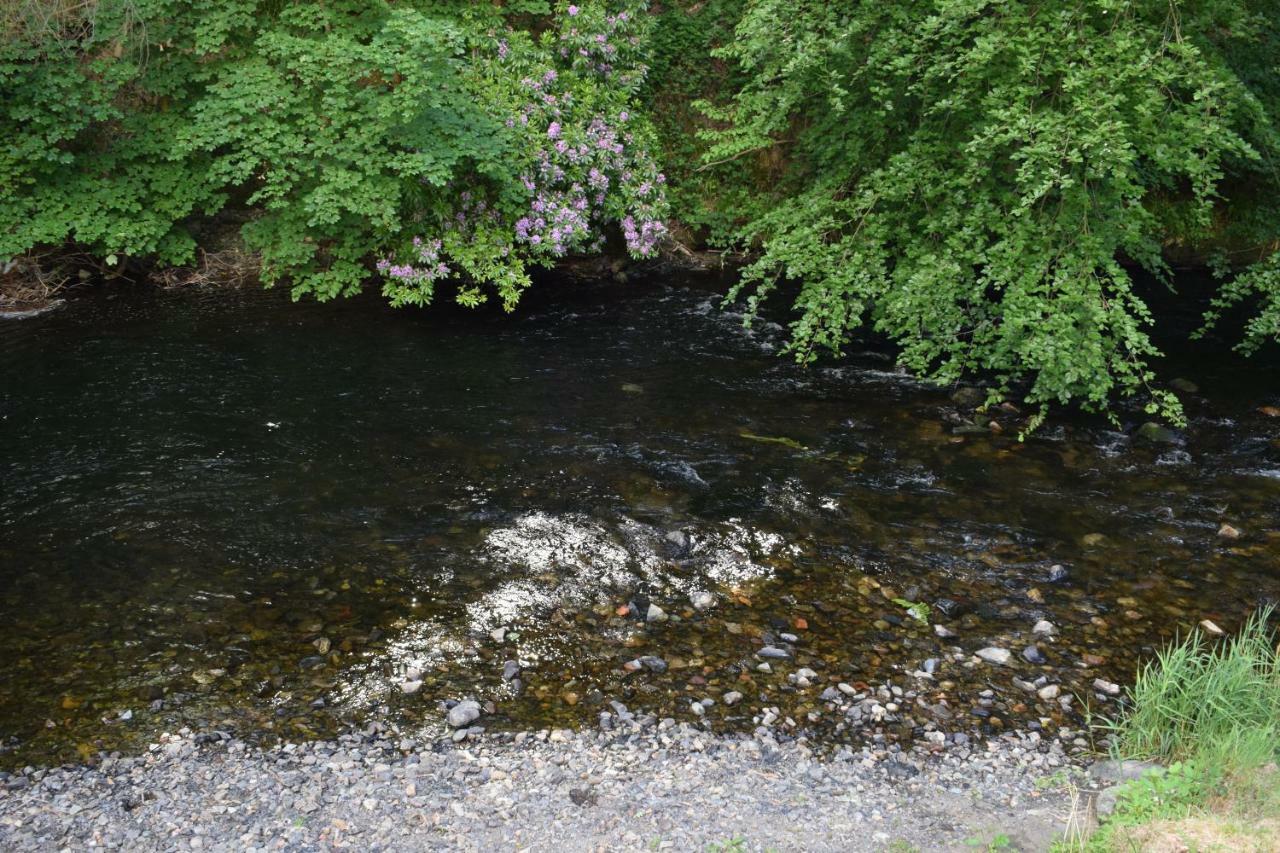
[{"x": 224, "y": 510}]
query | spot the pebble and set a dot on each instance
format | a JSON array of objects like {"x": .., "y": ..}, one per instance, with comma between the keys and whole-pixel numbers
[
  {"x": 733, "y": 697},
  {"x": 655, "y": 614},
  {"x": 702, "y": 601},
  {"x": 1049, "y": 691},
  {"x": 994, "y": 654},
  {"x": 1032, "y": 654},
  {"x": 1108, "y": 687},
  {"x": 410, "y": 687},
  {"x": 1226, "y": 531},
  {"x": 1044, "y": 626},
  {"x": 1211, "y": 628},
  {"x": 944, "y": 632},
  {"x": 773, "y": 652}
]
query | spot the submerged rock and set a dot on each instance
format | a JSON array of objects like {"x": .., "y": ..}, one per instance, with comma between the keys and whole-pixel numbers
[
  {"x": 702, "y": 601},
  {"x": 1108, "y": 687},
  {"x": 653, "y": 663},
  {"x": 1210, "y": 627},
  {"x": 994, "y": 654},
  {"x": 1154, "y": 433},
  {"x": 464, "y": 713}
]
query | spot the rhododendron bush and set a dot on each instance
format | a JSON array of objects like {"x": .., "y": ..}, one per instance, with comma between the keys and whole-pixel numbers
[
  {"x": 580, "y": 150},
  {"x": 414, "y": 143}
]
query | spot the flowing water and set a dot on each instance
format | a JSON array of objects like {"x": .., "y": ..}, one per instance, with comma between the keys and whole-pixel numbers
[{"x": 227, "y": 511}]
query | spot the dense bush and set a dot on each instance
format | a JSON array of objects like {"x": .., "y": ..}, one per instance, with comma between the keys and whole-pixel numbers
[
  {"x": 437, "y": 136},
  {"x": 971, "y": 177}
]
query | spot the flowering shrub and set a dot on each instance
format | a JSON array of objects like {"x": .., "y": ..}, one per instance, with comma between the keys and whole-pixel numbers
[{"x": 586, "y": 160}]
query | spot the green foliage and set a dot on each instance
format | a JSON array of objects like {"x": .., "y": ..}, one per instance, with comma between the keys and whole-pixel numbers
[
  {"x": 92, "y": 119},
  {"x": 346, "y": 131},
  {"x": 340, "y": 121},
  {"x": 969, "y": 177},
  {"x": 917, "y": 610},
  {"x": 1172, "y": 793},
  {"x": 999, "y": 844},
  {"x": 973, "y": 179},
  {"x": 704, "y": 199}
]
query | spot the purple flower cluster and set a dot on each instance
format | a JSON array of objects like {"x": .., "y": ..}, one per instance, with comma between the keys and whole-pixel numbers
[
  {"x": 588, "y": 162},
  {"x": 426, "y": 269},
  {"x": 604, "y": 44},
  {"x": 590, "y": 175}
]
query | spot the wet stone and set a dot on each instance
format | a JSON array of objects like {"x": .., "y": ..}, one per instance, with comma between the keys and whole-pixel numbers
[
  {"x": 1154, "y": 433},
  {"x": 702, "y": 601},
  {"x": 1107, "y": 687},
  {"x": 1033, "y": 654},
  {"x": 464, "y": 713},
  {"x": 994, "y": 654}
]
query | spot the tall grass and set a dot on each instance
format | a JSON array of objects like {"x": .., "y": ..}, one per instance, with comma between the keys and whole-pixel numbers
[
  {"x": 1215, "y": 705},
  {"x": 1210, "y": 711}
]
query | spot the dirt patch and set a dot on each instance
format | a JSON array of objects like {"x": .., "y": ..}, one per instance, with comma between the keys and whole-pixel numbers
[{"x": 1202, "y": 834}]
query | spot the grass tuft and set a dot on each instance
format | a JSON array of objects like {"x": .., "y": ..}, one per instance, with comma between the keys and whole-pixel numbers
[
  {"x": 1210, "y": 712},
  {"x": 1213, "y": 705}
]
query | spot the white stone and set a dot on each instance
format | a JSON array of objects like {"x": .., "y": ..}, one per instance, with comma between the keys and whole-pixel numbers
[{"x": 994, "y": 654}]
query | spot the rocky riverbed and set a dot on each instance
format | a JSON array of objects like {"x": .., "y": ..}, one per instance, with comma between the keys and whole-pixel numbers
[{"x": 642, "y": 784}]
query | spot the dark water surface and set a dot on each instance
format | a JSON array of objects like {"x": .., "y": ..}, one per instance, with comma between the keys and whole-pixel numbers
[{"x": 226, "y": 511}]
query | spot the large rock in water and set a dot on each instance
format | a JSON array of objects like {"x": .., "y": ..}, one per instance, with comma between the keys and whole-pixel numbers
[
  {"x": 1155, "y": 434},
  {"x": 464, "y": 713}
]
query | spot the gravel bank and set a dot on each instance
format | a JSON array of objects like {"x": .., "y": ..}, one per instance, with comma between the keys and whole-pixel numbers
[{"x": 644, "y": 785}]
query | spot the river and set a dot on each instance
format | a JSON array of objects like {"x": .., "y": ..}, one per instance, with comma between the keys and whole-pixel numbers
[{"x": 223, "y": 510}]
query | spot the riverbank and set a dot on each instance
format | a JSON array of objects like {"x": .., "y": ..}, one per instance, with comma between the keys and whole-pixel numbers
[{"x": 643, "y": 785}]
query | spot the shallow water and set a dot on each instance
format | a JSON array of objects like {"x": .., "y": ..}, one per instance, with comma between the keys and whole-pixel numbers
[{"x": 227, "y": 511}]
